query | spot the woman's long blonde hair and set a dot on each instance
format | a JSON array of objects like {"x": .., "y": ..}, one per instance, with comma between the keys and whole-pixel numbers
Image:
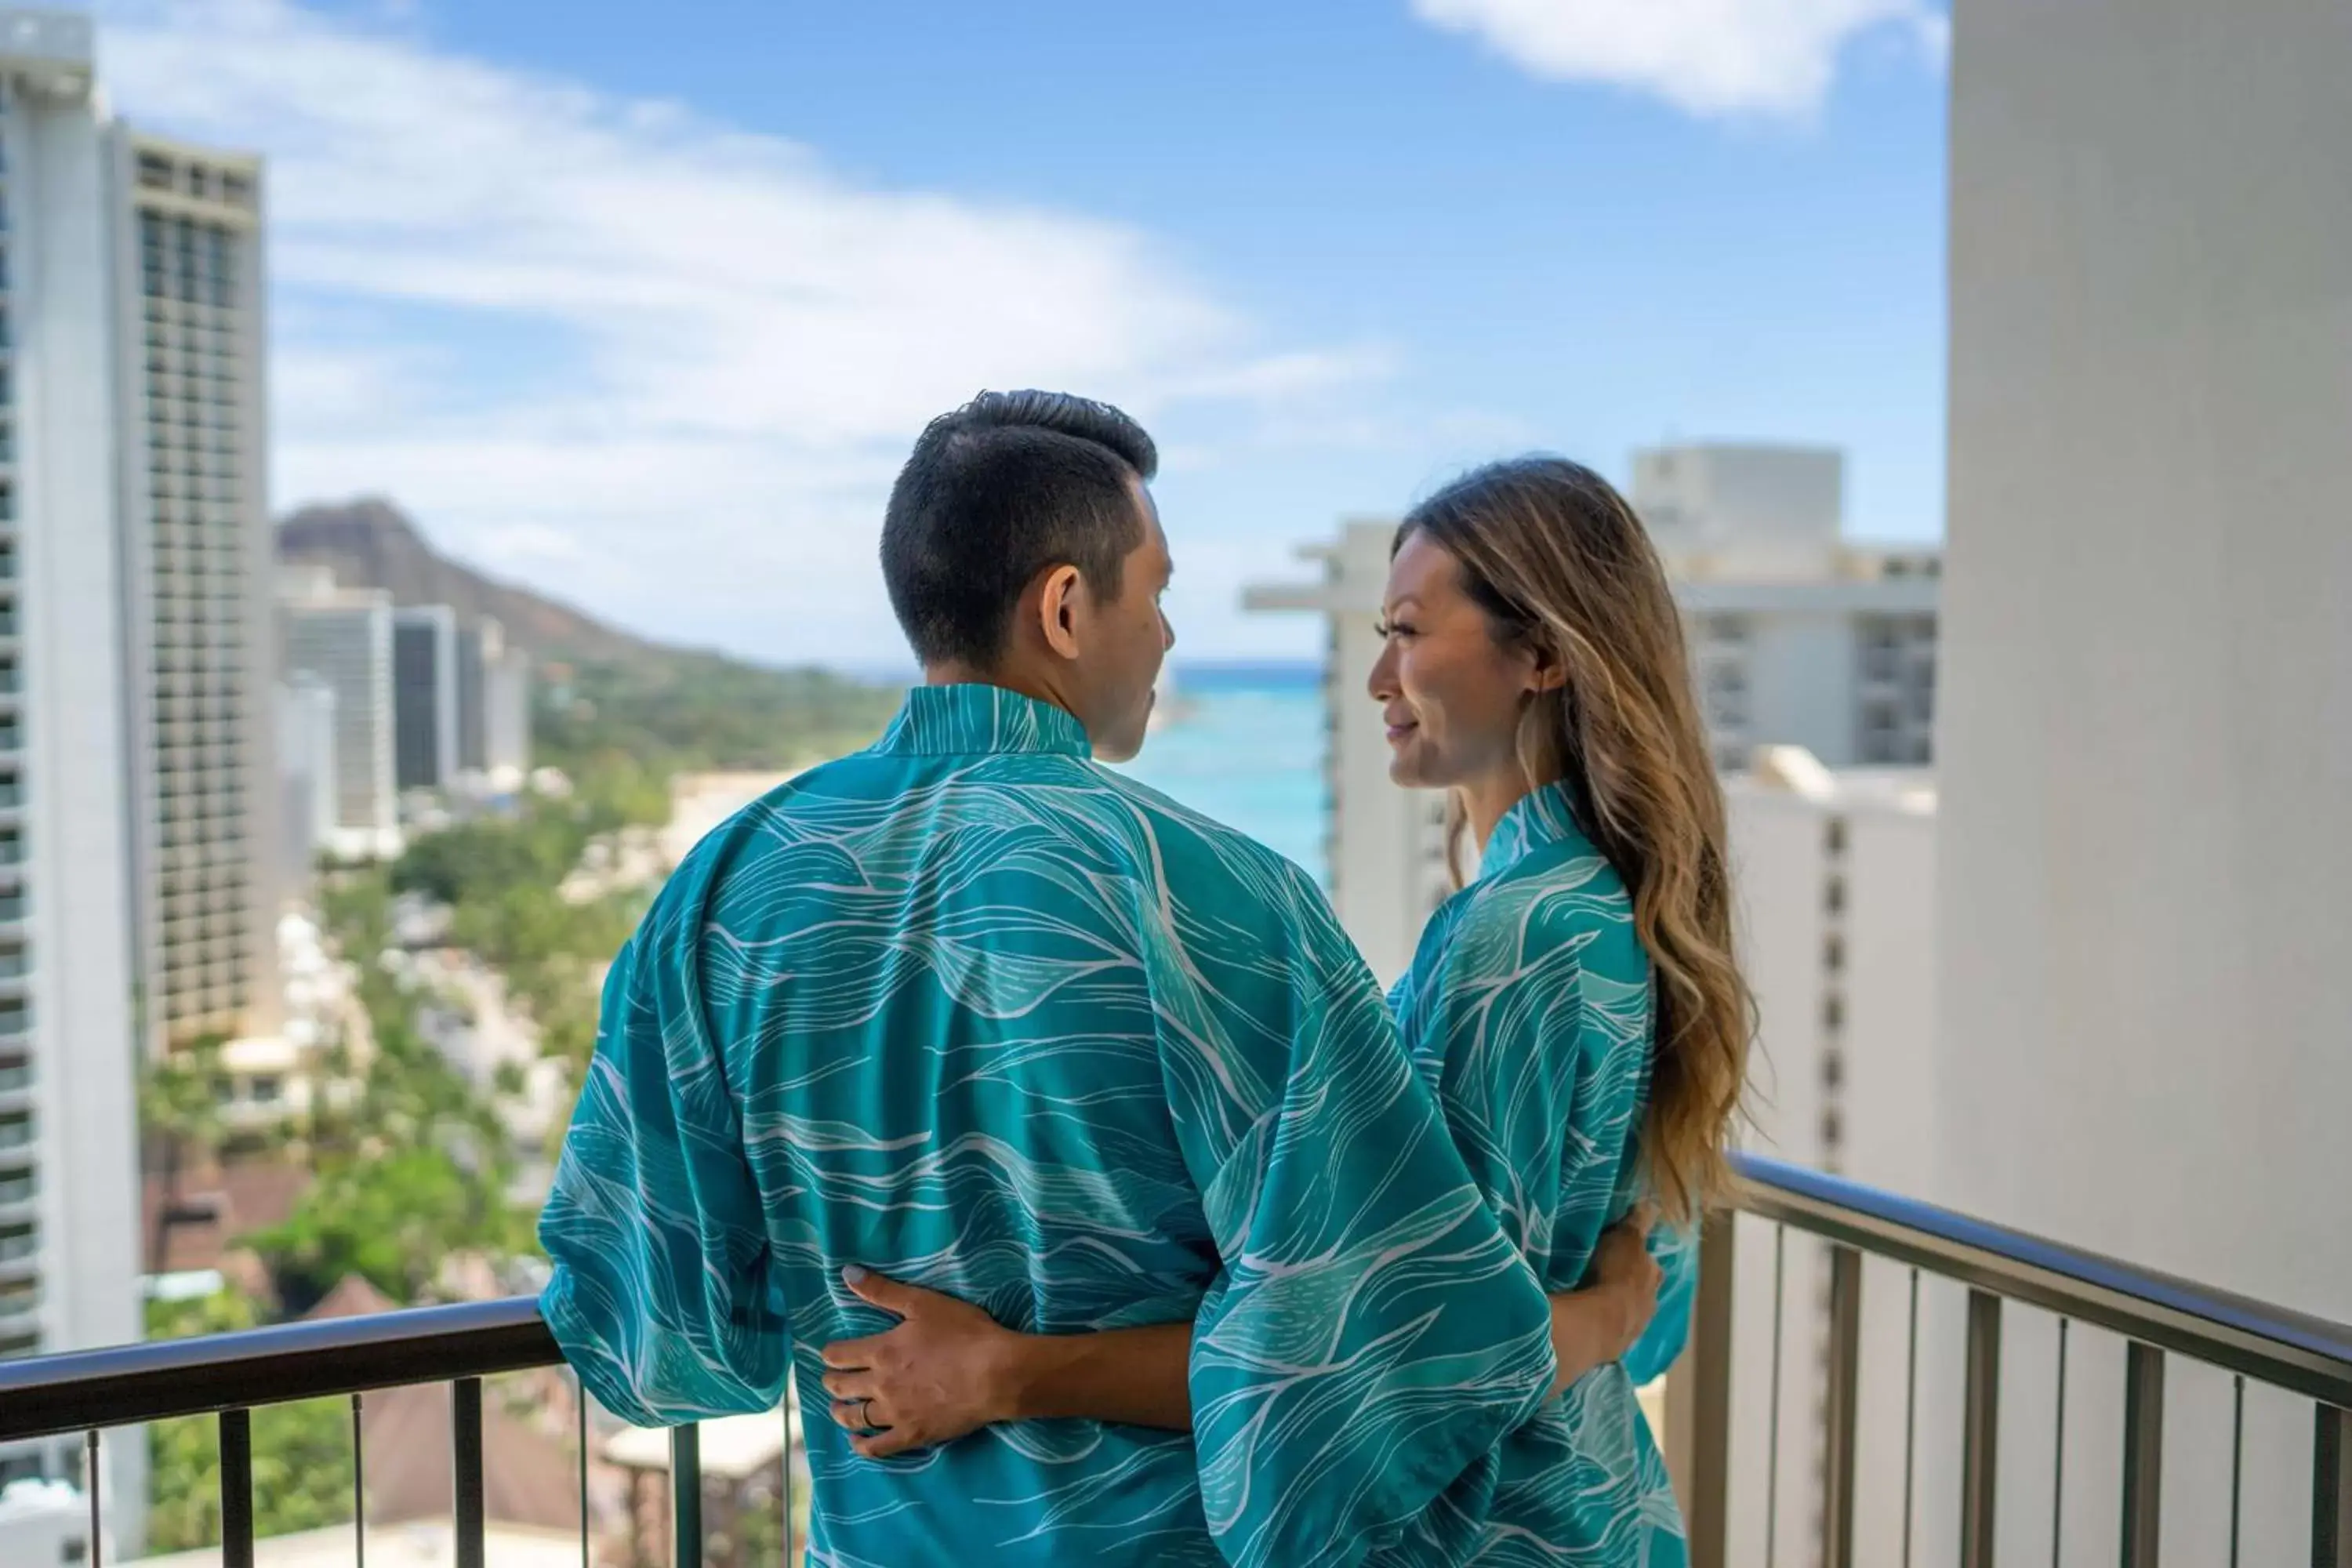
[{"x": 1560, "y": 561}]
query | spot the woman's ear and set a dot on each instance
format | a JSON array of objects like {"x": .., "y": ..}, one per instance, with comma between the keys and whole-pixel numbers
[{"x": 1547, "y": 671}]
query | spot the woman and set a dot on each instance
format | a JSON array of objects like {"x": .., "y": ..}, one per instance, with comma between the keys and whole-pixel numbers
[{"x": 1577, "y": 1006}]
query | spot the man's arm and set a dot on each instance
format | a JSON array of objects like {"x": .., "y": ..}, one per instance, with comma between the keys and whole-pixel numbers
[
  {"x": 660, "y": 1296},
  {"x": 948, "y": 1369}
]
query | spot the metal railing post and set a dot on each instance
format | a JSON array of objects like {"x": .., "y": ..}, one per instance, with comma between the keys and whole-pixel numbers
[
  {"x": 2143, "y": 1454},
  {"x": 686, "y": 1497},
  {"x": 1844, "y": 1406},
  {"x": 1698, "y": 1402},
  {"x": 465, "y": 1449},
  {"x": 237, "y": 1489},
  {"x": 2331, "y": 1488},
  {"x": 1980, "y": 1430}
]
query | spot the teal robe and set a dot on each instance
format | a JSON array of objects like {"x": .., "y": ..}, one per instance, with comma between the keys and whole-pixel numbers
[
  {"x": 971, "y": 1010},
  {"x": 1528, "y": 1004}
]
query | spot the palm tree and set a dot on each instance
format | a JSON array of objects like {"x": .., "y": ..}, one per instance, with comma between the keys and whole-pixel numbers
[{"x": 179, "y": 1108}]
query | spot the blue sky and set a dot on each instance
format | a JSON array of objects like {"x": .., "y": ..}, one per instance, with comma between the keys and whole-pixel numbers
[{"x": 642, "y": 308}]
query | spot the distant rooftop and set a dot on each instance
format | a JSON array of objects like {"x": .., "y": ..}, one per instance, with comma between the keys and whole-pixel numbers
[
  {"x": 53, "y": 53},
  {"x": 1794, "y": 771}
]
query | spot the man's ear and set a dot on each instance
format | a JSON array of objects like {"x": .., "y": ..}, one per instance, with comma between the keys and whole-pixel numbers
[{"x": 1057, "y": 610}]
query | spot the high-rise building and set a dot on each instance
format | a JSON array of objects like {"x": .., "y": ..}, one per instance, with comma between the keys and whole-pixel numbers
[
  {"x": 69, "y": 1157},
  {"x": 505, "y": 716},
  {"x": 1834, "y": 879},
  {"x": 343, "y": 637},
  {"x": 1384, "y": 847},
  {"x": 197, "y": 554},
  {"x": 493, "y": 704},
  {"x": 425, "y": 702},
  {"x": 308, "y": 803},
  {"x": 477, "y": 645},
  {"x": 2146, "y": 739},
  {"x": 1796, "y": 637}
]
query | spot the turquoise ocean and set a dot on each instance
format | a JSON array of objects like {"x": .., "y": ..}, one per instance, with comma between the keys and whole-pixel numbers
[{"x": 1245, "y": 743}]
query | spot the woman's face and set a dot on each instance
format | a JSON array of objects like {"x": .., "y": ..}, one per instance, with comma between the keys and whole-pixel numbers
[{"x": 1451, "y": 694}]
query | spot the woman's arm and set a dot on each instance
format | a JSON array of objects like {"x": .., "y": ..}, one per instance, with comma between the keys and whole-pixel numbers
[{"x": 947, "y": 1368}]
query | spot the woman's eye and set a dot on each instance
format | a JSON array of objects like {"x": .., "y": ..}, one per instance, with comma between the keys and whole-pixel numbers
[{"x": 1394, "y": 629}]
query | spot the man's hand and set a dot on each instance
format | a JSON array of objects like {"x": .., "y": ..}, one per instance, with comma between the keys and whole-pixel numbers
[
  {"x": 947, "y": 1369},
  {"x": 1624, "y": 1272},
  {"x": 1600, "y": 1321}
]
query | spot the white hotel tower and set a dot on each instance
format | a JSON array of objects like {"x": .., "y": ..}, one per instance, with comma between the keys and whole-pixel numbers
[
  {"x": 68, "y": 1158},
  {"x": 137, "y": 789}
]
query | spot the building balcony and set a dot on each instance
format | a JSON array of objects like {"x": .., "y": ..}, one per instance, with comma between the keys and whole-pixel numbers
[{"x": 1717, "y": 1456}]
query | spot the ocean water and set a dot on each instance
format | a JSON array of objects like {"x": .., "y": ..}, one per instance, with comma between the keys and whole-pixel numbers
[{"x": 1244, "y": 744}]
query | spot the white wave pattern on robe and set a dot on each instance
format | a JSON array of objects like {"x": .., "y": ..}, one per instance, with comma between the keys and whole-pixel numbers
[
  {"x": 971, "y": 1010},
  {"x": 1528, "y": 1005}
]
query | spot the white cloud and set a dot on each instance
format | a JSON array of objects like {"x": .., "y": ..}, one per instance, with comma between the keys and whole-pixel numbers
[
  {"x": 1720, "y": 58},
  {"x": 528, "y": 310}
]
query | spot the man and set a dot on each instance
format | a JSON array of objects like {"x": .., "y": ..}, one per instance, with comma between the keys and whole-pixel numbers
[{"x": 969, "y": 1010}]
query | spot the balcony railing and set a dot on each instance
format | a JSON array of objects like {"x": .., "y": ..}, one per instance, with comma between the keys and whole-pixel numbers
[
  {"x": 227, "y": 1375},
  {"x": 2160, "y": 1317}
]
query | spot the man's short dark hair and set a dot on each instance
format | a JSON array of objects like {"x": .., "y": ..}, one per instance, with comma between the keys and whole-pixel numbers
[{"x": 1001, "y": 489}]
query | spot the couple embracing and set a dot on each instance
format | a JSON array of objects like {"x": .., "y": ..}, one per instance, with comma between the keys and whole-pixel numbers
[{"x": 1054, "y": 1141}]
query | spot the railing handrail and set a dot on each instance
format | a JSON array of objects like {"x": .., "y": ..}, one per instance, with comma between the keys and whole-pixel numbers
[
  {"x": 2273, "y": 1344},
  {"x": 125, "y": 1385},
  {"x": 122, "y": 1385}
]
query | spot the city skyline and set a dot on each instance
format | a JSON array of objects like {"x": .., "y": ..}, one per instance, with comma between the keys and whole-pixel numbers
[{"x": 647, "y": 322}]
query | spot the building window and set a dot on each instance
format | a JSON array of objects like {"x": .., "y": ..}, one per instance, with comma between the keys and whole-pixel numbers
[
  {"x": 1833, "y": 895},
  {"x": 1833, "y": 1070}
]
